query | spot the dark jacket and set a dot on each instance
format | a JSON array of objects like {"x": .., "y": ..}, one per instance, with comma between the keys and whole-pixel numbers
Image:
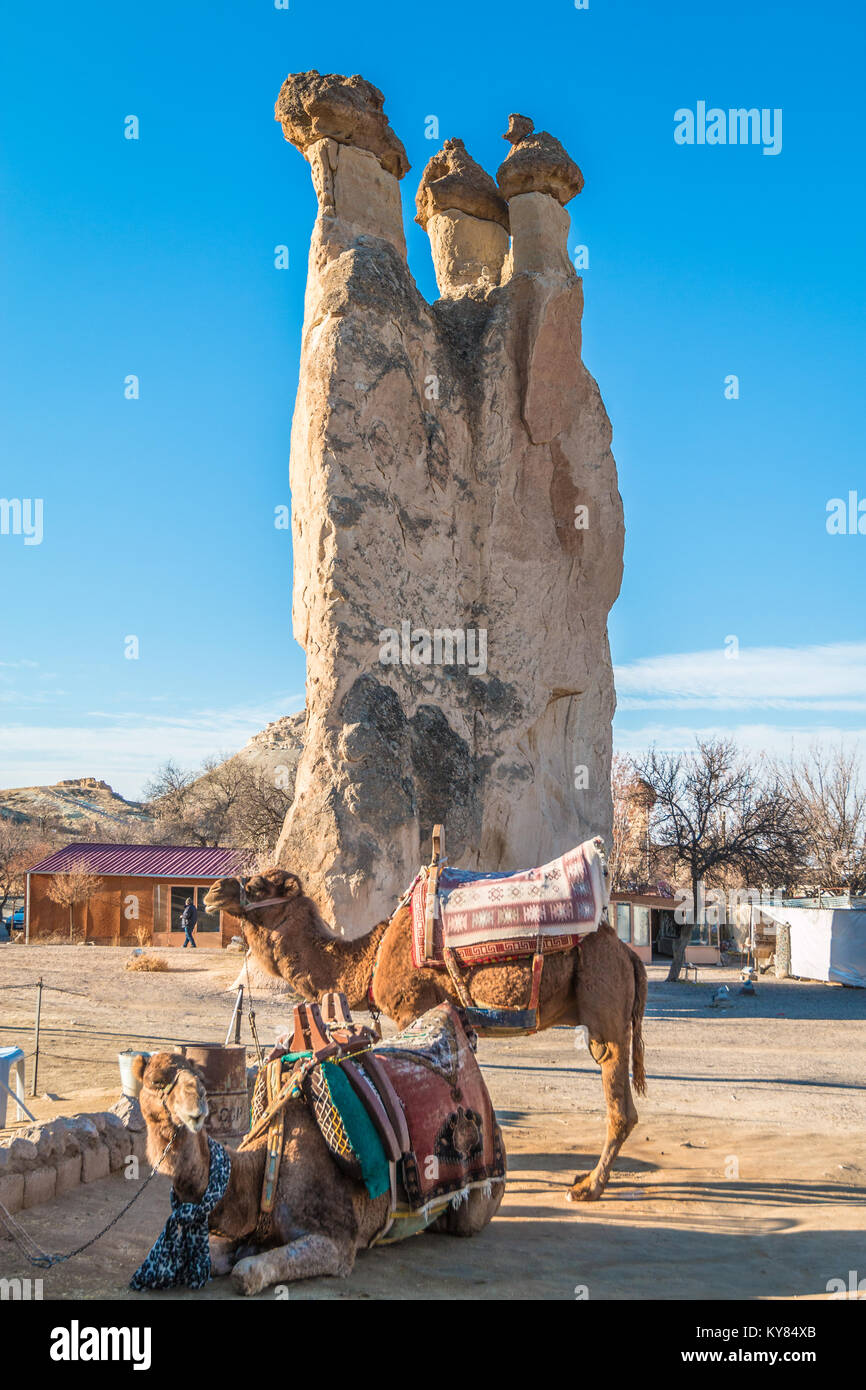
[{"x": 189, "y": 917}]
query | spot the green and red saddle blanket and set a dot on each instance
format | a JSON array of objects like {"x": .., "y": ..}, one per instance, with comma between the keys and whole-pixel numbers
[
  {"x": 481, "y": 918},
  {"x": 410, "y": 1116}
]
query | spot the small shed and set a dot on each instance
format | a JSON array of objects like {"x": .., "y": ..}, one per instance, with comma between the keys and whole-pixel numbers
[
  {"x": 824, "y": 943},
  {"x": 646, "y": 923},
  {"x": 139, "y": 897}
]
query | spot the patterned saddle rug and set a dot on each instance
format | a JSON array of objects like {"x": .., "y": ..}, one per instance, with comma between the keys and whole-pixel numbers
[
  {"x": 489, "y": 917},
  {"x": 411, "y": 1116}
]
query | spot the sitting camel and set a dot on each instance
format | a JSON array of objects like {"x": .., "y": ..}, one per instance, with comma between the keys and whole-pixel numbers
[
  {"x": 601, "y": 984},
  {"x": 321, "y": 1217}
]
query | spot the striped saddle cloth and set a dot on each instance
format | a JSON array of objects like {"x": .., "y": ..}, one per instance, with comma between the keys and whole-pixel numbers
[{"x": 489, "y": 917}]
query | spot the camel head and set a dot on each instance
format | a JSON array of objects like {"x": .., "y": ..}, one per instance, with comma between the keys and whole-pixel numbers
[
  {"x": 172, "y": 1091},
  {"x": 273, "y": 889}
]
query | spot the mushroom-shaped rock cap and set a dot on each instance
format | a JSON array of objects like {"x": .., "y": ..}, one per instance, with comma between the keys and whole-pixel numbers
[
  {"x": 452, "y": 179},
  {"x": 317, "y": 106},
  {"x": 536, "y": 163}
]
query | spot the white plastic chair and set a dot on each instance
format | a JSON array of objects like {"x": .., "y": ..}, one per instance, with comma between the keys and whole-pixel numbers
[{"x": 12, "y": 1061}]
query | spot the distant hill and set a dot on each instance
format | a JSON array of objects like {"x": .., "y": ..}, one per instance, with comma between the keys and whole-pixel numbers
[
  {"x": 75, "y": 808},
  {"x": 278, "y": 745},
  {"x": 84, "y": 808}
]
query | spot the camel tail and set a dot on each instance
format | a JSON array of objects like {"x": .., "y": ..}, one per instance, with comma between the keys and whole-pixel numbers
[{"x": 637, "y": 1012}]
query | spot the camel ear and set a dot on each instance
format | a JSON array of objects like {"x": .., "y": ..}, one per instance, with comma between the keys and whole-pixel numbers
[
  {"x": 139, "y": 1067},
  {"x": 288, "y": 884}
]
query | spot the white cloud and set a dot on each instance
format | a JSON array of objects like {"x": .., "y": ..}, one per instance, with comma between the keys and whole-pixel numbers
[
  {"x": 125, "y": 749},
  {"x": 775, "y": 740},
  {"x": 821, "y": 678}
]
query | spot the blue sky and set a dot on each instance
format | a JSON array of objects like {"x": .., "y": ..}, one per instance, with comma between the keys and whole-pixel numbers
[{"x": 155, "y": 258}]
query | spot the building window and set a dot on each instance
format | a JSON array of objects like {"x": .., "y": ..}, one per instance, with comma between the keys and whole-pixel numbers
[
  {"x": 642, "y": 926},
  {"x": 206, "y": 921},
  {"x": 623, "y": 921},
  {"x": 704, "y": 934},
  {"x": 159, "y": 907}
]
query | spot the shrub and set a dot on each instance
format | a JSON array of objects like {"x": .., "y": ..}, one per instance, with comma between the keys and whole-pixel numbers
[{"x": 147, "y": 963}]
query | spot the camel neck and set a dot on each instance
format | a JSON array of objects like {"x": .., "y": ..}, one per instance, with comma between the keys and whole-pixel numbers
[
  {"x": 188, "y": 1165},
  {"x": 347, "y": 965},
  {"x": 315, "y": 959},
  {"x": 187, "y": 1162}
]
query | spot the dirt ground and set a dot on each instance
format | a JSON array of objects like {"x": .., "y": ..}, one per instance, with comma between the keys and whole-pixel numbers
[{"x": 744, "y": 1177}]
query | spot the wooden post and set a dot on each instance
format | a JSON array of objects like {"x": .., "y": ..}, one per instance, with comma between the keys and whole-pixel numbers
[
  {"x": 36, "y": 1040},
  {"x": 438, "y": 843},
  {"x": 235, "y": 1021},
  {"x": 432, "y": 889}
]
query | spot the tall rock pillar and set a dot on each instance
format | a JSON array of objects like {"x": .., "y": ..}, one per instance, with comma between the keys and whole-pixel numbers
[{"x": 457, "y": 527}]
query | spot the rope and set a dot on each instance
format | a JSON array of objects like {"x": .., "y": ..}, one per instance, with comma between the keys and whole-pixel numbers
[
  {"x": 251, "y": 1013},
  {"x": 34, "y": 1253},
  {"x": 31, "y": 984}
]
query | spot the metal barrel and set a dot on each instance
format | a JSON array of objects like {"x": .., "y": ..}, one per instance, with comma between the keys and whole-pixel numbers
[
  {"x": 129, "y": 1085},
  {"x": 225, "y": 1078}
]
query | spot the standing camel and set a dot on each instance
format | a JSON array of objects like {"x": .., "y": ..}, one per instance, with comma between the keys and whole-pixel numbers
[
  {"x": 601, "y": 984},
  {"x": 321, "y": 1217}
]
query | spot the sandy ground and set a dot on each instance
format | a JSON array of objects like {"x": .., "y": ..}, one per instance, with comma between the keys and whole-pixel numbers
[{"x": 744, "y": 1177}]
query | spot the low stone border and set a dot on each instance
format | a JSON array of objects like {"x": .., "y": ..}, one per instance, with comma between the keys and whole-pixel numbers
[{"x": 48, "y": 1160}]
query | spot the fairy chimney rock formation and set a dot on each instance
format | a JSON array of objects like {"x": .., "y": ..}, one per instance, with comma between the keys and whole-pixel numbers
[
  {"x": 457, "y": 526},
  {"x": 465, "y": 217}
]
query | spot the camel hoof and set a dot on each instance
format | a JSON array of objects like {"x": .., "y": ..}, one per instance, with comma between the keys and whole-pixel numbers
[
  {"x": 246, "y": 1277},
  {"x": 584, "y": 1190}
]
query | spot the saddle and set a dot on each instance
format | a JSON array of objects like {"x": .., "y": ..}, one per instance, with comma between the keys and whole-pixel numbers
[
  {"x": 462, "y": 918},
  {"x": 410, "y": 1116}
]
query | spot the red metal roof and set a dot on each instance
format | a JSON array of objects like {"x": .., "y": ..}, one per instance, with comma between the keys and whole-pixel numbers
[{"x": 147, "y": 861}]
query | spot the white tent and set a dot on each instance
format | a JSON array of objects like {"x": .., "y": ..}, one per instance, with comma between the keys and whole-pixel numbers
[{"x": 826, "y": 943}]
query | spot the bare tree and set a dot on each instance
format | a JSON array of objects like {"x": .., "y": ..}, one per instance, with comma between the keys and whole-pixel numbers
[
  {"x": 260, "y": 810},
  {"x": 231, "y": 801},
  {"x": 714, "y": 811},
  {"x": 21, "y": 845},
  {"x": 168, "y": 791},
  {"x": 75, "y": 885},
  {"x": 828, "y": 787}
]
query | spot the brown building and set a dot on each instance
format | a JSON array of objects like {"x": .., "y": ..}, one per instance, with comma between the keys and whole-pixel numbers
[{"x": 139, "y": 897}]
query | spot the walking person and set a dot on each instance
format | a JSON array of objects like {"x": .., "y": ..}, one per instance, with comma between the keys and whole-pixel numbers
[{"x": 188, "y": 919}]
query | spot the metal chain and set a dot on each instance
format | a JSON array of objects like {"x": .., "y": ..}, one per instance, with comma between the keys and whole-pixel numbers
[{"x": 42, "y": 1259}]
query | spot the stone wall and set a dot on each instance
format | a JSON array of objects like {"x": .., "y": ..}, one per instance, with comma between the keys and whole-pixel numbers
[{"x": 48, "y": 1160}]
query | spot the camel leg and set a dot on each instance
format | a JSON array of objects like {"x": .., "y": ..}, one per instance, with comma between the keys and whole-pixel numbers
[
  {"x": 621, "y": 1118},
  {"x": 306, "y": 1258},
  {"x": 223, "y": 1255}
]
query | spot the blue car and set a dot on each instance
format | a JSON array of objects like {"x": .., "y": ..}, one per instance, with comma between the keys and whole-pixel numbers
[{"x": 15, "y": 922}]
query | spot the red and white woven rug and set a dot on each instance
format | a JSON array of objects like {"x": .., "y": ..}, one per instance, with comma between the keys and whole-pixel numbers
[{"x": 485, "y": 917}]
